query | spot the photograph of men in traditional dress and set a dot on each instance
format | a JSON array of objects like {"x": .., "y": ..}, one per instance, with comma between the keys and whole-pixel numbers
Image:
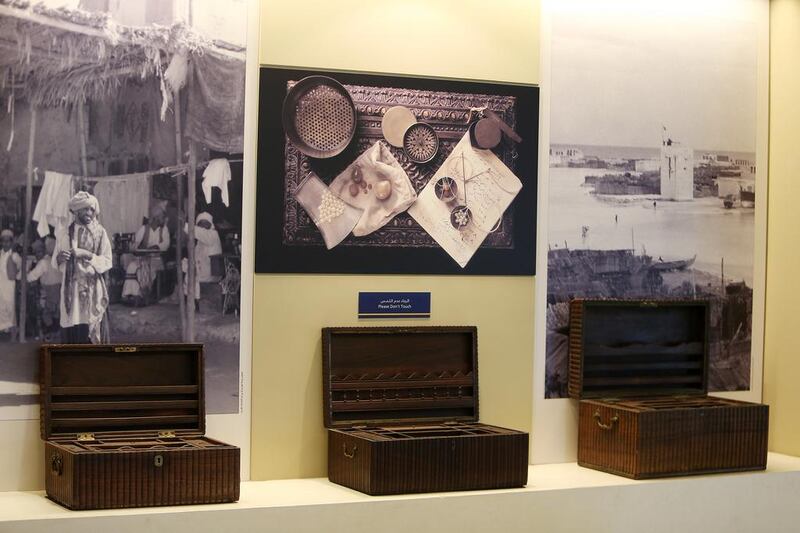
[
  {"x": 139, "y": 105},
  {"x": 83, "y": 255}
]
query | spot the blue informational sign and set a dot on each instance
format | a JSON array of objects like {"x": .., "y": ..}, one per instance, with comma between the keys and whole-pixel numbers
[{"x": 394, "y": 305}]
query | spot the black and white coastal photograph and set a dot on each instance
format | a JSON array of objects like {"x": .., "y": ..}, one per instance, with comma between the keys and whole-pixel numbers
[
  {"x": 653, "y": 174},
  {"x": 122, "y": 126},
  {"x": 377, "y": 173}
]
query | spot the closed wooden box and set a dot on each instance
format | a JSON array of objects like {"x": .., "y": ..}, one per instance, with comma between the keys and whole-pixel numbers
[
  {"x": 640, "y": 370},
  {"x": 124, "y": 427},
  {"x": 401, "y": 405}
]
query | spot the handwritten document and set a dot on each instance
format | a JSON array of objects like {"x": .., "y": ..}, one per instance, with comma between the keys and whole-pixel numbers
[{"x": 485, "y": 185}]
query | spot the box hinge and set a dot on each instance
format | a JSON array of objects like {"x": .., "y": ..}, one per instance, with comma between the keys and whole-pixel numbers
[
  {"x": 85, "y": 436},
  {"x": 166, "y": 434}
]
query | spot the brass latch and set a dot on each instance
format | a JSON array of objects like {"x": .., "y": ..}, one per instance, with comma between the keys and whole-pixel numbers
[
  {"x": 166, "y": 434},
  {"x": 124, "y": 349},
  {"x": 85, "y": 436}
]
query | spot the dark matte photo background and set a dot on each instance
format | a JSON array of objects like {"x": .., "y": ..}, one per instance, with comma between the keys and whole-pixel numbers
[{"x": 272, "y": 256}]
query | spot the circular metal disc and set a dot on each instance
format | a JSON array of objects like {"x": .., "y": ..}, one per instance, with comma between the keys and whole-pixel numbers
[
  {"x": 420, "y": 143},
  {"x": 395, "y": 122},
  {"x": 486, "y": 133},
  {"x": 319, "y": 116}
]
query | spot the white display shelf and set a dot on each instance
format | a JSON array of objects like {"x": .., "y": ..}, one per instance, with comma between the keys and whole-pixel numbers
[{"x": 559, "y": 497}]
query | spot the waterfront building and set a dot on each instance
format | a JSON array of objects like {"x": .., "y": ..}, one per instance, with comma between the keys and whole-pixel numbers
[{"x": 677, "y": 171}]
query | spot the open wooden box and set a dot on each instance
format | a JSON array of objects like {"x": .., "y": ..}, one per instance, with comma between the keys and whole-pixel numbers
[
  {"x": 640, "y": 370},
  {"x": 401, "y": 405},
  {"x": 124, "y": 427}
]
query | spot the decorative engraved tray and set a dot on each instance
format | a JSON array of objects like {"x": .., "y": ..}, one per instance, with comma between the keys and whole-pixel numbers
[{"x": 448, "y": 114}]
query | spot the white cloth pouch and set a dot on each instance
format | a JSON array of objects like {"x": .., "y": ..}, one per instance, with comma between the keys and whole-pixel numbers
[
  {"x": 334, "y": 218},
  {"x": 376, "y": 164}
]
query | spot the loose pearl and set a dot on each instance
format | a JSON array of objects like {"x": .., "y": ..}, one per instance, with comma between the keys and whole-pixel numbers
[{"x": 383, "y": 189}]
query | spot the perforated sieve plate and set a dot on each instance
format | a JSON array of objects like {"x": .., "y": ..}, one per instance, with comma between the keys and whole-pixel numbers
[
  {"x": 319, "y": 116},
  {"x": 421, "y": 143}
]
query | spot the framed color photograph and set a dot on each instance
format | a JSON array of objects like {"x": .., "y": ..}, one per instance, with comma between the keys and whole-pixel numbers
[{"x": 363, "y": 173}]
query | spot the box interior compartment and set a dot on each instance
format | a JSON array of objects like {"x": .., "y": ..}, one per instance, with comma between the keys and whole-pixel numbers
[
  {"x": 657, "y": 404},
  {"x": 382, "y": 376},
  {"x": 643, "y": 349},
  {"x": 141, "y": 444},
  {"x": 122, "y": 391},
  {"x": 429, "y": 431}
]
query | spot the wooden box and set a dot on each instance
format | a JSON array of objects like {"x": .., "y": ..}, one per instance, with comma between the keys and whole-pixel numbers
[
  {"x": 401, "y": 405},
  {"x": 640, "y": 370},
  {"x": 124, "y": 427}
]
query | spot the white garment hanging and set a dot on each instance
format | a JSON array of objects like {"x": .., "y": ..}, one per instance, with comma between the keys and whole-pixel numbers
[
  {"x": 217, "y": 174},
  {"x": 124, "y": 203},
  {"x": 52, "y": 208}
]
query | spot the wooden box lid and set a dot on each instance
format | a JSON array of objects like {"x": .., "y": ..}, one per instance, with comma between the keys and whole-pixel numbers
[
  {"x": 624, "y": 348},
  {"x": 121, "y": 390},
  {"x": 386, "y": 375}
]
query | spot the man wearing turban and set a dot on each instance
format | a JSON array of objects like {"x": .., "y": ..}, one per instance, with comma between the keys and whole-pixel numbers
[
  {"x": 82, "y": 255},
  {"x": 10, "y": 263},
  {"x": 208, "y": 244},
  {"x": 151, "y": 240}
]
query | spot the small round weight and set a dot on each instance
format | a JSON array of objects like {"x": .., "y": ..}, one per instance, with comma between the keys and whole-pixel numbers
[
  {"x": 354, "y": 189},
  {"x": 383, "y": 189},
  {"x": 446, "y": 189},
  {"x": 485, "y": 134},
  {"x": 460, "y": 217},
  {"x": 395, "y": 122}
]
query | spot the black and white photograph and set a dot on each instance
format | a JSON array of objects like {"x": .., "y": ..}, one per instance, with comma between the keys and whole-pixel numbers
[
  {"x": 653, "y": 173},
  {"x": 121, "y": 178},
  {"x": 367, "y": 173}
]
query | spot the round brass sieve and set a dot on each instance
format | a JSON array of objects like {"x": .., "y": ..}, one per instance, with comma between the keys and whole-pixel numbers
[{"x": 319, "y": 116}]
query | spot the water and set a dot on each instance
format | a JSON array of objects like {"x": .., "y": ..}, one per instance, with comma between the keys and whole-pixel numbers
[
  {"x": 673, "y": 230},
  {"x": 644, "y": 152}
]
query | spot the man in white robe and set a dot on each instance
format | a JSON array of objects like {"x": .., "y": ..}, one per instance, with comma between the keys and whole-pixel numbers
[
  {"x": 208, "y": 244},
  {"x": 10, "y": 263},
  {"x": 141, "y": 272},
  {"x": 82, "y": 255}
]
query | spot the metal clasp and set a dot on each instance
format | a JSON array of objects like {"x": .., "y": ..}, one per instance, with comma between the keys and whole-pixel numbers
[
  {"x": 85, "y": 437},
  {"x": 124, "y": 349},
  {"x": 166, "y": 434}
]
